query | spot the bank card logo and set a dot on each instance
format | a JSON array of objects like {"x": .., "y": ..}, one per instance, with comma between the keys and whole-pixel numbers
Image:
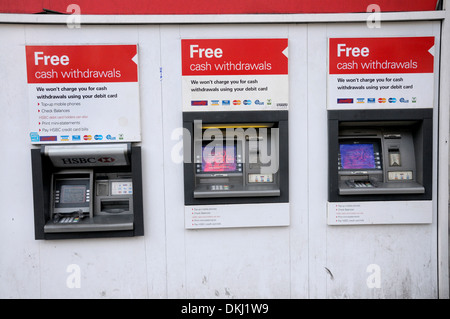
[
  {"x": 199, "y": 103},
  {"x": 34, "y": 137},
  {"x": 48, "y": 138},
  {"x": 392, "y": 100},
  {"x": 371, "y": 100},
  {"x": 345, "y": 101},
  {"x": 225, "y": 102},
  {"x": 381, "y": 100}
]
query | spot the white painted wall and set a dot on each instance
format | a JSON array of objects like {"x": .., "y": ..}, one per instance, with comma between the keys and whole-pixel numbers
[
  {"x": 406, "y": 254},
  {"x": 307, "y": 259}
]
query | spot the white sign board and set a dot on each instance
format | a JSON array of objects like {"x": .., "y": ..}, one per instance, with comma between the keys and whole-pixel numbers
[
  {"x": 380, "y": 73},
  {"x": 235, "y": 74},
  {"x": 380, "y": 212},
  {"x": 240, "y": 215},
  {"x": 83, "y": 93}
]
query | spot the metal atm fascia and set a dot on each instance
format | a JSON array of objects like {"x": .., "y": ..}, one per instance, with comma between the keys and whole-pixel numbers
[
  {"x": 401, "y": 141},
  {"x": 79, "y": 191},
  {"x": 234, "y": 186}
]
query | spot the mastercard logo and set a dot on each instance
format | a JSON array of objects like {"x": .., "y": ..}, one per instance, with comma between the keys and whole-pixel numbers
[
  {"x": 382, "y": 100},
  {"x": 87, "y": 137}
]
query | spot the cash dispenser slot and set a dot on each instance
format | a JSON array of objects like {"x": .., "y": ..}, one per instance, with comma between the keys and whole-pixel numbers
[
  {"x": 115, "y": 206},
  {"x": 94, "y": 191}
]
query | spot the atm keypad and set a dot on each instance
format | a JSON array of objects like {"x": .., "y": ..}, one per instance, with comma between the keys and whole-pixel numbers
[
  {"x": 220, "y": 187},
  {"x": 69, "y": 220}
]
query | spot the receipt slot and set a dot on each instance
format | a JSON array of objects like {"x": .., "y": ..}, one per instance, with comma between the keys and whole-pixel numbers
[
  {"x": 379, "y": 156},
  {"x": 235, "y": 162},
  {"x": 85, "y": 191}
]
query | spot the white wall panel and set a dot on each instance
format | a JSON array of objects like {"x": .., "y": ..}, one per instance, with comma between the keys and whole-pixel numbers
[{"x": 307, "y": 259}]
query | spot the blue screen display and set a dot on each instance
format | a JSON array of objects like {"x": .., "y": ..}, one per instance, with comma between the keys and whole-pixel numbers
[{"x": 357, "y": 156}]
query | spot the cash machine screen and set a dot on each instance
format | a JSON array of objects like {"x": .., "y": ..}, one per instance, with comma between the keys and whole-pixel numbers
[
  {"x": 219, "y": 158},
  {"x": 359, "y": 155},
  {"x": 71, "y": 194}
]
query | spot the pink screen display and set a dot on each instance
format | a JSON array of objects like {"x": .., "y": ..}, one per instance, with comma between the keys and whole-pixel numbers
[{"x": 219, "y": 158}]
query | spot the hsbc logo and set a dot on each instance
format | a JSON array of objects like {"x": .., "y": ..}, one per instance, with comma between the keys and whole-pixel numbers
[
  {"x": 86, "y": 160},
  {"x": 78, "y": 160},
  {"x": 106, "y": 159}
]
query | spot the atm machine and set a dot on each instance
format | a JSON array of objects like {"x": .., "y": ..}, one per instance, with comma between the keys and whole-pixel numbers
[
  {"x": 84, "y": 191},
  {"x": 236, "y": 169},
  {"x": 380, "y": 166}
]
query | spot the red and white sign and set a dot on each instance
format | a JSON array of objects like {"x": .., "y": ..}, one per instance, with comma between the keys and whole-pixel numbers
[
  {"x": 83, "y": 93},
  {"x": 392, "y": 72},
  {"x": 218, "y": 72},
  {"x": 82, "y": 63}
]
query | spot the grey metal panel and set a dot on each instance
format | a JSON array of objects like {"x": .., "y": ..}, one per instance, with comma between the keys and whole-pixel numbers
[
  {"x": 98, "y": 223},
  {"x": 214, "y": 194},
  {"x": 384, "y": 188}
]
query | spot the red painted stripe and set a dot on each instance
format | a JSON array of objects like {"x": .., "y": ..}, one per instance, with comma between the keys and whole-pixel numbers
[{"x": 214, "y": 6}]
